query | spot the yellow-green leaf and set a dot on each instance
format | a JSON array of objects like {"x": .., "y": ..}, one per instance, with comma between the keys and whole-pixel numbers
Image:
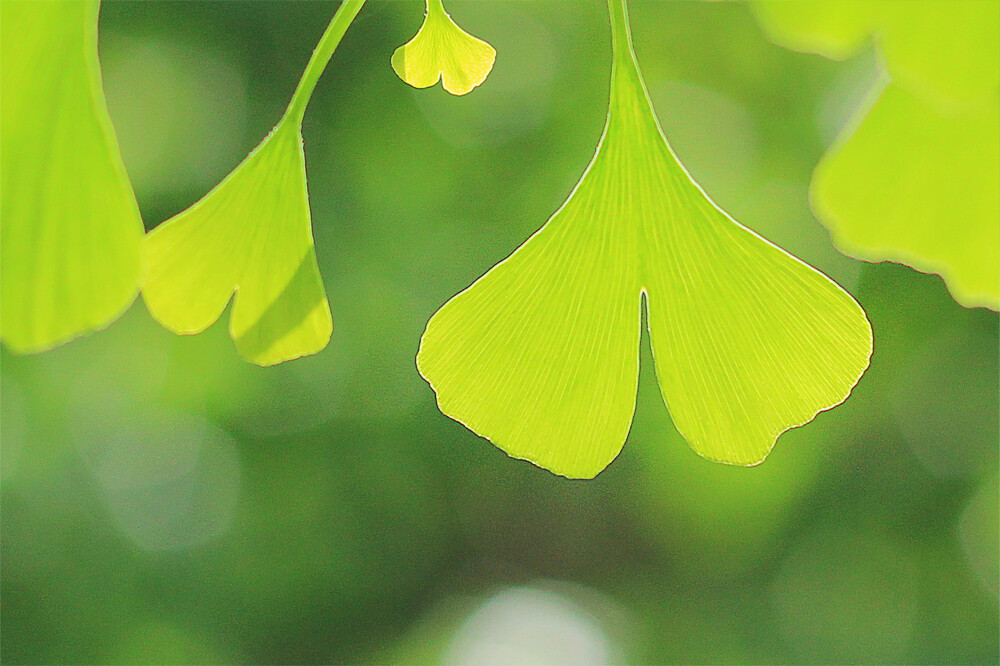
[
  {"x": 443, "y": 51},
  {"x": 918, "y": 185},
  {"x": 540, "y": 355},
  {"x": 251, "y": 235},
  {"x": 914, "y": 178},
  {"x": 70, "y": 230},
  {"x": 833, "y": 29}
]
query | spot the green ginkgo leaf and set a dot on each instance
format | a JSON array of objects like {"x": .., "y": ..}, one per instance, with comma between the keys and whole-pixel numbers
[
  {"x": 833, "y": 29},
  {"x": 540, "y": 355},
  {"x": 70, "y": 230},
  {"x": 919, "y": 186},
  {"x": 443, "y": 51},
  {"x": 251, "y": 235},
  {"x": 914, "y": 178},
  {"x": 941, "y": 49}
]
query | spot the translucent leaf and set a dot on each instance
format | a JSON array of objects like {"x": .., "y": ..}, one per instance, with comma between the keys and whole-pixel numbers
[
  {"x": 931, "y": 201},
  {"x": 70, "y": 226},
  {"x": 832, "y": 29},
  {"x": 944, "y": 49},
  {"x": 914, "y": 178},
  {"x": 251, "y": 235},
  {"x": 540, "y": 355},
  {"x": 443, "y": 51}
]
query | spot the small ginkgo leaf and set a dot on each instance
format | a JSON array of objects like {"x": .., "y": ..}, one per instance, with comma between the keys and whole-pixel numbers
[
  {"x": 251, "y": 235},
  {"x": 540, "y": 355},
  {"x": 443, "y": 51},
  {"x": 70, "y": 230},
  {"x": 914, "y": 178}
]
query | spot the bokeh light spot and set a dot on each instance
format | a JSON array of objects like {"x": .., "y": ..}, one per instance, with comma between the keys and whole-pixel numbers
[
  {"x": 531, "y": 626},
  {"x": 980, "y": 535},
  {"x": 171, "y": 480}
]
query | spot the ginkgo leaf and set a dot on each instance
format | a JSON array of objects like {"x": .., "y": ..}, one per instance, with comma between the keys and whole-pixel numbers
[
  {"x": 70, "y": 230},
  {"x": 914, "y": 178},
  {"x": 943, "y": 49},
  {"x": 540, "y": 355},
  {"x": 833, "y": 29},
  {"x": 443, "y": 51},
  {"x": 251, "y": 235},
  {"x": 933, "y": 203}
]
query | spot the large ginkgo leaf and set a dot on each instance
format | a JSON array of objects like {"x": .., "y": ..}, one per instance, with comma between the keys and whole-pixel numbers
[
  {"x": 914, "y": 177},
  {"x": 70, "y": 230},
  {"x": 540, "y": 355}
]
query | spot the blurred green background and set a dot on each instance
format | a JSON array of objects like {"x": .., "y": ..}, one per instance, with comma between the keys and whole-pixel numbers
[{"x": 165, "y": 502}]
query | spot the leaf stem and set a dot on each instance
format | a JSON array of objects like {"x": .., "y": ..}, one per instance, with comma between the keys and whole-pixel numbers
[
  {"x": 619, "y": 25},
  {"x": 623, "y": 56},
  {"x": 435, "y": 7},
  {"x": 339, "y": 24}
]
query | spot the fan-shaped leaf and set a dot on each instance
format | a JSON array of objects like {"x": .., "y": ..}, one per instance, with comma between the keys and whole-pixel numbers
[
  {"x": 70, "y": 230},
  {"x": 540, "y": 355},
  {"x": 252, "y": 235},
  {"x": 914, "y": 178},
  {"x": 443, "y": 51}
]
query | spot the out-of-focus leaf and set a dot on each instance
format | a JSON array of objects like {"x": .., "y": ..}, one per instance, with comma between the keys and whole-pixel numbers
[
  {"x": 443, "y": 51},
  {"x": 919, "y": 186},
  {"x": 251, "y": 235},
  {"x": 70, "y": 226},
  {"x": 833, "y": 29},
  {"x": 943, "y": 49},
  {"x": 540, "y": 355},
  {"x": 914, "y": 178}
]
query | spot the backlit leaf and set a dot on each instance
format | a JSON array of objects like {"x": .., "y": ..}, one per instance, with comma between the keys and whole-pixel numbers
[
  {"x": 443, "y": 51},
  {"x": 251, "y": 235},
  {"x": 833, "y": 29},
  {"x": 933, "y": 201},
  {"x": 70, "y": 230},
  {"x": 540, "y": 355},
  {"x": 914, "y": 178}
]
